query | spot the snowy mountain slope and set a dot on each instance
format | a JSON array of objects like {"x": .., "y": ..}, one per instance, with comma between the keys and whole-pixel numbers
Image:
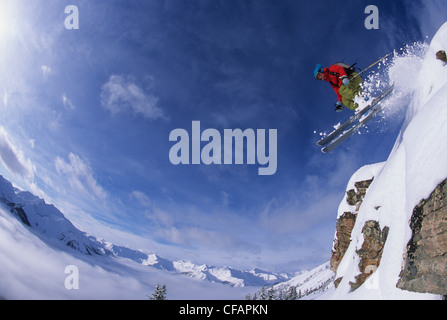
[
  {"x": 34, "y": 269},
  {"x": 308, "y": 284},
  {"x": 313, "y": 282},
  {"x": 50, "y": 226},
  {"x": 46, "y": 220},
  {"x": 416, "y": 165}
]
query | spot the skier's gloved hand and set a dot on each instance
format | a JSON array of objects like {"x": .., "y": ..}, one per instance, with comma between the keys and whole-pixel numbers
[
  {"x": 345, "y": 80},
  {"x": 338, "y": 106}
]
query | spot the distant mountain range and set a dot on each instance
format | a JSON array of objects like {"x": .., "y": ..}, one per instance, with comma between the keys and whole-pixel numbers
[{"x": 51, "y": 226}]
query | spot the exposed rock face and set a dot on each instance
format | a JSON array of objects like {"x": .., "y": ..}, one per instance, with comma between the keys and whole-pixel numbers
[
  {"x": 346, "y": 222},
  {"x": 371, "y": 251},
  {"x": 425, "y": 259},
  {"x": 356, "y": 197}
]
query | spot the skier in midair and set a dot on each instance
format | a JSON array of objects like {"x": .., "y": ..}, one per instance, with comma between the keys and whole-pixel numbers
[{"x": 345, "y": 82}]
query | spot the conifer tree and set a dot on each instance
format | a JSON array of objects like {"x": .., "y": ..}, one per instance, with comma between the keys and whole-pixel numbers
[
  {"x": 262, "y": 294},
  {"x": 159, "y": 293},
  {"x": 271, "y": 293},
  {"x": 292, "y": 293}
]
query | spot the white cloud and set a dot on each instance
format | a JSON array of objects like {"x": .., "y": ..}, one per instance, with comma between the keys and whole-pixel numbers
[
  {"x": 292, "y": 216},
  {"x": 121, "y": 93},
  {"x": 13, "y": 158},
  {"x": 157, "y": 216},
  {"x": 80, "y": 176},
  {"x": 67, "y": 102},
  {"x": 142, "y": 198},
  {"x": 5, "y": 99},
  {"x": 207, "y": 239},
  {"x": 46, "y": 71},
  {"x": 316, "y": 201}
]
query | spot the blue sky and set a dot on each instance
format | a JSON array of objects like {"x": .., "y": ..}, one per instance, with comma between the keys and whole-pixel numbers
[{"x": 86, "y": 117}]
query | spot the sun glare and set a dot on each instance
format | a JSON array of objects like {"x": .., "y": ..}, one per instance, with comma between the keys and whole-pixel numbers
[{"x": 8, "y": 20}]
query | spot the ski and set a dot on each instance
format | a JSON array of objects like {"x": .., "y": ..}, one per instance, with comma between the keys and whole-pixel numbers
[
  {"x": 334, "y": 144},
  {"x": 354, "y": 118},
  {"x": 372, "y": 65}
]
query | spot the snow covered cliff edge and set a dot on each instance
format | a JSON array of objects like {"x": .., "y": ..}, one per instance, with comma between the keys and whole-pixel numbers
[{"x": 391, "y": 239}]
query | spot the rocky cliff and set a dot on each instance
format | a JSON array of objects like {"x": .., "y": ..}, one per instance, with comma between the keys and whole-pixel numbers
[
  {"x": 345, "y": 223},
  {"x": 424, "y": 266},
  {"x": 425, "y": 260},
  {"x": 371, "y": 250}
]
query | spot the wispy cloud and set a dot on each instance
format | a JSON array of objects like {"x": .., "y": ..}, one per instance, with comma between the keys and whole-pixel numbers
[
  {"x": 121, "y": 94},
  {"x": 207, "y": 239},
  {"x": 157, "y": 216},
  {"x": 193, "y": 227},
  {"x": 67, "y": 102},
  {"x": 46, "y": 71},
  {"x": 80, "y": 176},
  {"x": 316, "y": 200},
  {"x": 13, "y": 158}
]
